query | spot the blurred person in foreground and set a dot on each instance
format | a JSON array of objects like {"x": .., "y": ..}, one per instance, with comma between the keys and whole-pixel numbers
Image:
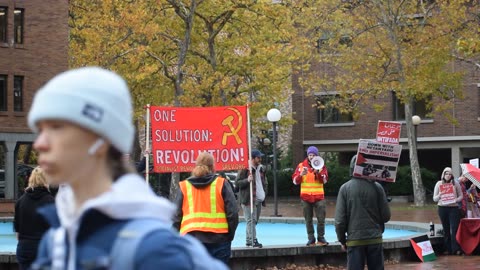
[
  {"x": 312, "y": 195},
  {"x": 207, "y": 208},
  {"x": 28, "y": 224},
  {"x": 360, "y": 216},
  {"x": 106, "y": 216}
]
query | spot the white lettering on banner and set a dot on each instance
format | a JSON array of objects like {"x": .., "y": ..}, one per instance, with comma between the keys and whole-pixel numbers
[
  {"x": 387, "y": 140},
  {"x": 183, "y": 135},
  {"x": 164, "y": 116},
  {"x": 188, "y": 156}
]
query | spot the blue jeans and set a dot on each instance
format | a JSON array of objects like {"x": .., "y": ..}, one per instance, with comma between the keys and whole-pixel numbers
[
  {"x": 372, "y": 254},
  {"x": 252, "y": 220},
  {"x": 450, "y": 218},
  {"x": 221, "y": 251}
]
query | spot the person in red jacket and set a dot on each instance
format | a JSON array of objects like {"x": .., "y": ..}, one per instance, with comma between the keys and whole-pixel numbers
[{"x": 312, "y": 194}]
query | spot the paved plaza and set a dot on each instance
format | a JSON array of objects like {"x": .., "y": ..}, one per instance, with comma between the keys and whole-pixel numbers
[{"x": 401, "y": 211}]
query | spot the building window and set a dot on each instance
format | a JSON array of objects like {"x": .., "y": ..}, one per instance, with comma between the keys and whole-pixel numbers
[
  {"x": 18, "y": 25},
  {"x": 328, "y": 112},
  {"x": 3, "y": 92},
  {"x": 419, "y": 108},
  {"x": 3, "y": 24},
  {"x": 18, "y": 93}
]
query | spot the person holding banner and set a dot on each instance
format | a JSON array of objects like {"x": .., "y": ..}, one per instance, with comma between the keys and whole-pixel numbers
[
  {"x": 254, "y": 176},
  {"x": 207, "y": 208},
  {"x": 312, "y": 195},
  {"x": 104, "y": 210},
  {"x": 448, "y": 194},
  {"x": 360, "y": 216}
]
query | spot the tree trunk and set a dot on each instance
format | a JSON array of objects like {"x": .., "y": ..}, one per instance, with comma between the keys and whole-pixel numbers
[
  {"x": 418, "y": 188},
  {"x": 174, "y": 186},
  {"x": 27, "y": 154}
]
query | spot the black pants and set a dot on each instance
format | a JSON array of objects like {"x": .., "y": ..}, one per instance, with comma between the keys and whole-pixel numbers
[
  {"x": 450, "y": 218},
  {"x": 26, "y": 253},
  {"x": 358, "y": 255}
]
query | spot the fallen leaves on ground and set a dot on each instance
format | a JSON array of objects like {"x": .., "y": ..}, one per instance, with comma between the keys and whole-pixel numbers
[{"x": 317, "y": 267}]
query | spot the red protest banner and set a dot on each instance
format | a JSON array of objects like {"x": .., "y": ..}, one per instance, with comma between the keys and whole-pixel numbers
[
  {"x": 179, "y": 134},
  {"x": 388, "y": 132}
]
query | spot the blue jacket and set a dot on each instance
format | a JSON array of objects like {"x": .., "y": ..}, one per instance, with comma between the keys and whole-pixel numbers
[{"x": 96, "y": 229}]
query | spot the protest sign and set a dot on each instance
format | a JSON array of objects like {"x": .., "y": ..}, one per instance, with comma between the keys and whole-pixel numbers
[
  {"x": 447, "y": 193},
  {"x": 474, "y": 162},
  {"x": 377, "y": 161},
  {"x": 388, "y": 132},
  {"x": 179, "y": 134}
]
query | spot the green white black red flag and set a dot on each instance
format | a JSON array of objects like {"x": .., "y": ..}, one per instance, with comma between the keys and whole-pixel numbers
[{"x": 423, "y": 248}]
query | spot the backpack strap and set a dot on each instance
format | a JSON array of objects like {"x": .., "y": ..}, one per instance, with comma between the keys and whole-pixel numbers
[{"x": 128, "y": 239}]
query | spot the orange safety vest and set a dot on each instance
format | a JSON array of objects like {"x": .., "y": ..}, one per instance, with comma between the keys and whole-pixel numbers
[
  {"x": 203, "y": 209},
  {"x": 309, "y": 186}
]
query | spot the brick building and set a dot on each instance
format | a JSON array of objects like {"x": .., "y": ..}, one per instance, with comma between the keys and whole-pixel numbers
[
  {"x": 33, "y": 48},
  {"x": 440, "y": 142}
]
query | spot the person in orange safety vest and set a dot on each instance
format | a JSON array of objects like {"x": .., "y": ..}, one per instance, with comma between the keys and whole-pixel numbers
[
  {"x": 207, "y": 208},
  {"x": 312, "y": 195}
]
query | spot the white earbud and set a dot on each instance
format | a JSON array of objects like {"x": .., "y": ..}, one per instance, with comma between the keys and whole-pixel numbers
[{"x": 94, "y": 148}]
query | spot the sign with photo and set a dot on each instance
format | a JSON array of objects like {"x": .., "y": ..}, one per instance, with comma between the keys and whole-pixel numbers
[{"x": 377, "y": 161}]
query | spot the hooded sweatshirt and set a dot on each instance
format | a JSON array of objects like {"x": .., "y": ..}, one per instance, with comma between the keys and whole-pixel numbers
[
  {"x": 27, "y": 222},
  {"x": 457, "y": 190},
  {"x": 231, "y": 210},
  {"x": 86, "y": 236}
]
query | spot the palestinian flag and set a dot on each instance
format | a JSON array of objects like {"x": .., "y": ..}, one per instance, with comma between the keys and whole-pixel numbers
[{"x": 423, "y": 248}]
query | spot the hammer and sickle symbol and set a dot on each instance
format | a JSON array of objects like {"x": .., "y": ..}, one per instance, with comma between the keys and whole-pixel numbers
[{"x": 233, "y": 131}]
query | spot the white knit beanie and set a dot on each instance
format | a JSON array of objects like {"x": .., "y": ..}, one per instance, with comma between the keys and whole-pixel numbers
[{"x": 91, "y": 97}]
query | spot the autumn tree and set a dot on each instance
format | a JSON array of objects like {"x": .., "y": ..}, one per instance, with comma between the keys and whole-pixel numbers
[
  {"x": 237, "y": 54},
  {"x": 380, "y": 46},
  {"x": 189, "y": 53}
]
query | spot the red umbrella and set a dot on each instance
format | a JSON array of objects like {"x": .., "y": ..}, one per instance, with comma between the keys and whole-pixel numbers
[{"x": 472, "y": 173}]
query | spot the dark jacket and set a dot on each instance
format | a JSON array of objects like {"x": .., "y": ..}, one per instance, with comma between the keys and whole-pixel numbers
[
  {"x": 231, "y": 210},
  {"x": 361, "y": 212},
  {"x": 244, "y": 186},
  {"x": 27, "y": 222}
]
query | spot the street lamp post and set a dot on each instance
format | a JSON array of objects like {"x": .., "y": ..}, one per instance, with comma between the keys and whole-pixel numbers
[
  {"x": 266, "y": 143},
  {"x": 415, "y": 121},
  {"x": 274, "y": 116}
]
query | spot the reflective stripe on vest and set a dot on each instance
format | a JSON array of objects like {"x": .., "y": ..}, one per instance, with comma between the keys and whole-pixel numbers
[
  {"x": 309, "y": 185},
  {"x": 200, "y": 213}
]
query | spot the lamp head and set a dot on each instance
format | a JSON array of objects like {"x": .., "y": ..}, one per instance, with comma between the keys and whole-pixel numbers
[
  {"x": 274, "y": 115},
  {"x": 416, "y": 120}
]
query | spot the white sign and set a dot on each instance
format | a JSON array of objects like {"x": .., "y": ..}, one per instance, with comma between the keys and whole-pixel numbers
[
  {"x": 377, "y": 161},
  {"x": 474, "y": 162}
]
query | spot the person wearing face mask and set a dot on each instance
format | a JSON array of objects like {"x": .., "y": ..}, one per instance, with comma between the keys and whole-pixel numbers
[
  {"x": 312, "y": 195},
  {"x": 448, "y": 193},
  {"x": 105, "y": 215}
]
